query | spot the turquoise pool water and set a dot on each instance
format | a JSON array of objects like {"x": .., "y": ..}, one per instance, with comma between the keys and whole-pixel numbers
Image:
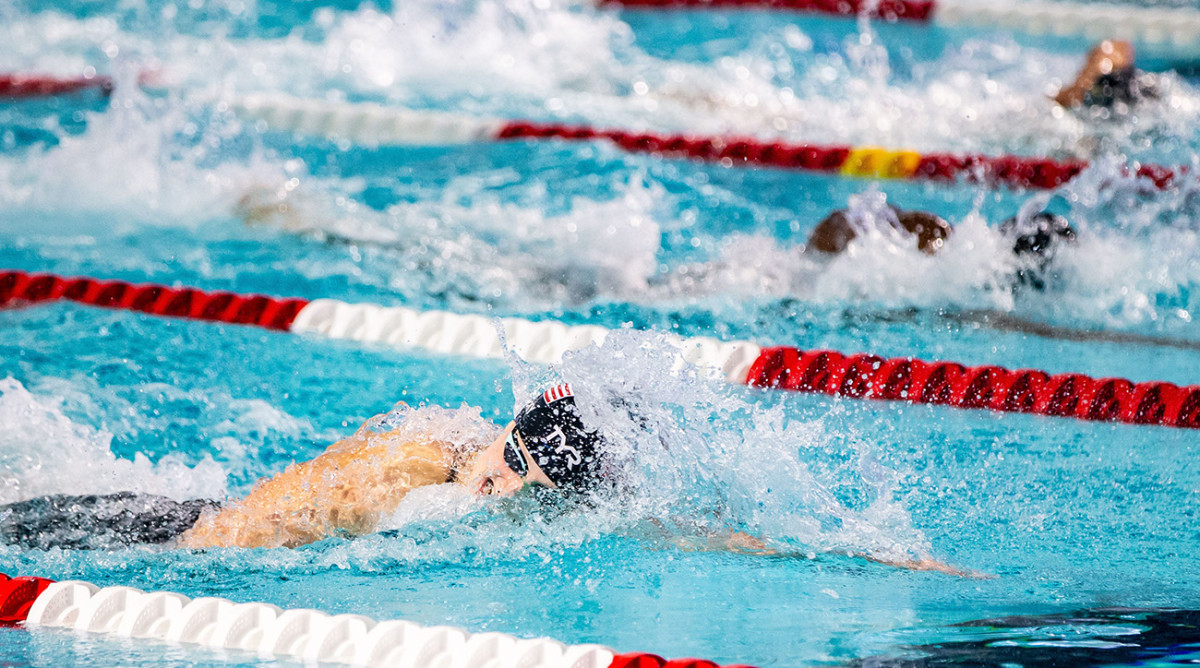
[{"x": 145, "y": 186}]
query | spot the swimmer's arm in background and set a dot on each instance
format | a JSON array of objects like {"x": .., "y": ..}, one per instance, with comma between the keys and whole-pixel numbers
[
  {"x": 345, "y": 490},
  {"x": 1104, "y": 58},
  {"x": 275, "y": 207}
]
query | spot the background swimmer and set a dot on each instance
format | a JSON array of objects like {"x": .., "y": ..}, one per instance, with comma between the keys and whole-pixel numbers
[
  {"x": 1109, "y": 79},
  {"x": 833, "y": 234},
  {"x": 1035, "y": 240}
]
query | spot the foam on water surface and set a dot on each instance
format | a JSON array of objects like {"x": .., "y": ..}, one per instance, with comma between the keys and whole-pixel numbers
[{"x": 44, "y": 452}]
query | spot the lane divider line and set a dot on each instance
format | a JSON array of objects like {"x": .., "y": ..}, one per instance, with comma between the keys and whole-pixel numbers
[
  {"x": 309, "y": 635},
  {"x": 860, "y": 376},
  {"x": 19, "y": 86},
  {"x": 920, "y": 11},
  {"x": 1175, "y": 28},
  {"x": 373, "y": 124}
]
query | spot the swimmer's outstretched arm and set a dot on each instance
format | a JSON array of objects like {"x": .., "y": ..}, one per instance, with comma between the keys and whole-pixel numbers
[
  {"x": 345, "y": 490},
  {"x": 741, "y": 542},
  {"x": 746, "y": 544}
]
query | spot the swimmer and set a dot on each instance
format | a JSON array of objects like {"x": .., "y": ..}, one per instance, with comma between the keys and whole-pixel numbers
[
  {"x": 357, "y": 482},
  {"x": 345, "y": 491},
  {"x": 1035, "y": 241},
  {"x": 1108, "y": 80},
  {"x": 832, "y": 235}
]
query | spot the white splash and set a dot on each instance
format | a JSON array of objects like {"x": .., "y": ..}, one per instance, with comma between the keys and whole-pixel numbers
[
  {"x": 483, "y": 248},
  {"x": 43, "y": 452},
  {"x": 689, "y": 455}
]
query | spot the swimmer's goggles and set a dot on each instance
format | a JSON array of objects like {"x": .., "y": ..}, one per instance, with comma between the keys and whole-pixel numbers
[{"x": 513, "y": 457}]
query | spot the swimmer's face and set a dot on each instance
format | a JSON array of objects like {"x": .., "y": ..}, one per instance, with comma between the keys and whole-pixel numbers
[{"x": 490, "y": 475}]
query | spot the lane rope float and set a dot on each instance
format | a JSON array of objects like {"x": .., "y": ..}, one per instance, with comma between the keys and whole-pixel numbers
[
  {"x": 373, "y": 124},
  {"x": 886, "y": 10},
  {"x": 859, "y": 376},
  {"x": 1175, "y": 28},
  {"x": 17, "y": 86},
  {"x": 308, "y": 635}
]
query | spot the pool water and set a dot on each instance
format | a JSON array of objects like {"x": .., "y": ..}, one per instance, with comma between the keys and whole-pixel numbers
[{"x": 1083, "y": 533}]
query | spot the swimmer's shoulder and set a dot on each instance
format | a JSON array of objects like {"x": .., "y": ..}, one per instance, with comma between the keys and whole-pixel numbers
[{"x": 391, "y": 446}]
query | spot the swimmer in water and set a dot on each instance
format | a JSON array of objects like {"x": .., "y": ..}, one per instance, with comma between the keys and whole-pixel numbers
[
  {"x": 344, "y": 491},
  {"x": 359, "y": 480},
  {"x": 832, "y": 235},
  {"x": 354, "y": 484},
  {"x": 1109, "y": 80},
  {"x": 1035, "y": 241}
]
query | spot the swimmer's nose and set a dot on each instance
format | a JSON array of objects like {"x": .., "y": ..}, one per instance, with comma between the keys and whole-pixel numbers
[{"x": 505, "y": 485}]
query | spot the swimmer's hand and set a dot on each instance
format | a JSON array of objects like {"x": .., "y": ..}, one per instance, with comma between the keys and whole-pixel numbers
[
  {"x": 744, "y": 543},
  {"x": 747, "y": 544}
]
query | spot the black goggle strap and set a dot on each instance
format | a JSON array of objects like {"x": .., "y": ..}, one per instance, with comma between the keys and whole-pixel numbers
[{"x": 513, "y": 457}]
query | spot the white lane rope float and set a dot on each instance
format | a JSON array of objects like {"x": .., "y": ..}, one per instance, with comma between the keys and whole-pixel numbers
[
  {"x": 858, "y": 376},
  {"x": 304, "y": 634}
]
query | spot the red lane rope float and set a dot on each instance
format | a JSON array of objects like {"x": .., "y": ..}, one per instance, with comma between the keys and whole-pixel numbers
[
  {"x": 861, "y": 161},
  {"x": 888, "y": 10},
  {"x": 19, "y": 287},
  {"x": 17, "y": 596},
  {"x": 642, "y": 660},
  {"x": 1171, "y": 30},
  {"x": 992, "y": 387},
  {"x": 375, "y": 124},
  {"x": 22, "y": 85},
  {"x": 860, "y": 376}
]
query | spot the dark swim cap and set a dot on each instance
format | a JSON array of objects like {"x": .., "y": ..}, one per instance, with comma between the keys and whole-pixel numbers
[
  {"x": 1036, "y": 240},
  {"x": 554, "y": 434},
  {"x": 1038, "y": 235},
  {"x": 1124, "y": 86}
]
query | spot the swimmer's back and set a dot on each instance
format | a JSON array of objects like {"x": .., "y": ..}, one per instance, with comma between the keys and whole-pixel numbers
[{"x": 344, "y": 491}]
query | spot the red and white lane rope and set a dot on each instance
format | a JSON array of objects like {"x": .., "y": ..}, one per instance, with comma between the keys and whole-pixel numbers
[
  {"x": 861, "y": 376},
  {"x": 1176, "y": 28},
  {"x": 308, "y": 635},
  {"x": 15, "y": 86},
  {"x": 369, "y": 123},
  {"x": 887, "y": 10}
]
